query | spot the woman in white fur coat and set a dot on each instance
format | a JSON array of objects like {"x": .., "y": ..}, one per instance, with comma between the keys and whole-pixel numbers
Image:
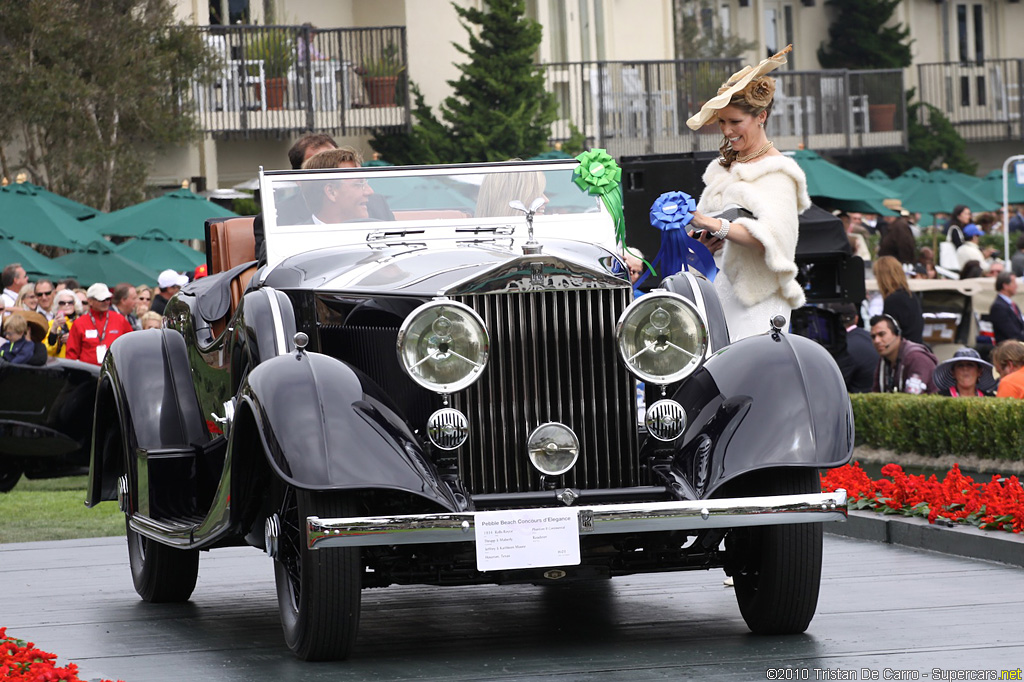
[{"x": 756, "y": 256}]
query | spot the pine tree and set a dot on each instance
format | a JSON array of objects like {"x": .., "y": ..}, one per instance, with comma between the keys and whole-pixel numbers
[
  {"x": 499, "y": 108},
  {"x": 860, "y": 39}
]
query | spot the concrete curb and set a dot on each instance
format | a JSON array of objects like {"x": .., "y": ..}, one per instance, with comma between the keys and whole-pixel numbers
[{"x": 966, "y": 541}]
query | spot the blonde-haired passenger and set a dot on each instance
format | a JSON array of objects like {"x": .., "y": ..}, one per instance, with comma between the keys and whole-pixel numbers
[{"x": 497, "y": 190}]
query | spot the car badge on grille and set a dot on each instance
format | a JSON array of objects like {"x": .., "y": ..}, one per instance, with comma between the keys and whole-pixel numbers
[
  {"x": 586, "y": 521},
  {"x": 537, "y": 275}
]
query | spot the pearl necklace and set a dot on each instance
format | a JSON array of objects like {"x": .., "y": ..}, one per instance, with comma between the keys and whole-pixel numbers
[{"x": 760, "y": 152}]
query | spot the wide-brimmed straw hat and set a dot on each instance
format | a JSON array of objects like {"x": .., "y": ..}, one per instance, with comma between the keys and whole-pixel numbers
[
  {"x": 943, "y": 377},
  {"x": 737, "y": 82}
]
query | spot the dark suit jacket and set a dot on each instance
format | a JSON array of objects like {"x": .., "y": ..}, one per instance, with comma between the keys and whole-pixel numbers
[
  {"x": 858, "y": 361},
  {"x": 1005, "y": 323}
]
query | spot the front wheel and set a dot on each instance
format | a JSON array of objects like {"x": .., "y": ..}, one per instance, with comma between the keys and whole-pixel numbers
[
  {"x": 162, "y": 574},
  {"x": 777, "y": 569},
  {"x": 318, "y": 591}
]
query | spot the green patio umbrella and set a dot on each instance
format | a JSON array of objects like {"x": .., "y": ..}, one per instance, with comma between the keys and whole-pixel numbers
[
  {"x": 377, "y": 162},
  {"x": 956, "y": 177},
  {"x": 180, "y": 214},
  {"x": 829, "y": 184},
  {"x": 908, "y": 178},
  {"x": 156, "y": 251},
  {"x": 35, "y": 264},
  {"x": 97, "y": 262},
  {"x": 991, "y": 187},
  {"x": 878, "y": 175},
  {"x": 938, "y": 194},
  {"x": 29, "y": 216},
  {"x": 73, "y": 208}
]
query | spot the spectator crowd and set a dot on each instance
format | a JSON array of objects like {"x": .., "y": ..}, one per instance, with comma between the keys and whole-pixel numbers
[
  {"x": 45, "y": 319},
  {"x": 890, "y": 353}
]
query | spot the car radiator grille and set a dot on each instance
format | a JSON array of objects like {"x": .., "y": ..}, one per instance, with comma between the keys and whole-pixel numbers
[{"x": 553, "y": 358}]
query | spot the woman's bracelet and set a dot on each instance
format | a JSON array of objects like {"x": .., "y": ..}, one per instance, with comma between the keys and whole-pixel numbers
[{"x": 723, "y": 231}]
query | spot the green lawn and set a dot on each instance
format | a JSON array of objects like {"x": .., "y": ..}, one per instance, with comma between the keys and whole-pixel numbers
[{"x": 54, "y": 509}]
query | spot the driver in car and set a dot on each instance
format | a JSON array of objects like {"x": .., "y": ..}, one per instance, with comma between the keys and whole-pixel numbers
[{"x": 336, "y": 201}]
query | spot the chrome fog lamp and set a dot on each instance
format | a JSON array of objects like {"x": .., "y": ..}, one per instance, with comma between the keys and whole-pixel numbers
[
  {"x": 443, "y": 346},
  {"x": 665, "y": 420},
  {"x": 553, "y": 448},
  {"x": 448, "y": 428},
  {"x": 662, "y": 338}
]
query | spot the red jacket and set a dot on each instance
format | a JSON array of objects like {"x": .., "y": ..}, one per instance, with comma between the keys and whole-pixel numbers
[{"x": 92, "y": 330}]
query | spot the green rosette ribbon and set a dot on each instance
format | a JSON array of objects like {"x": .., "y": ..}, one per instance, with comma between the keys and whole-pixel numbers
[{"x": 599, "y": 175}]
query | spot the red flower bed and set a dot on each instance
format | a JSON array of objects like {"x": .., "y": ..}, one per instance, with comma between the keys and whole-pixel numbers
[
  {"x": 21, "y": 661},
  {"x": 996, "y": 505}
]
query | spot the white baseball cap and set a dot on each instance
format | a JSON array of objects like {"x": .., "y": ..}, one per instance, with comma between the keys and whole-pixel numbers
[
  {"x": 170, "y": 278},
  {"x": 99, "y": 291}
]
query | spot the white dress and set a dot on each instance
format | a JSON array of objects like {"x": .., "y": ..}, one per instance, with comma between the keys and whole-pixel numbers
[{"x": 753, "y": 287}]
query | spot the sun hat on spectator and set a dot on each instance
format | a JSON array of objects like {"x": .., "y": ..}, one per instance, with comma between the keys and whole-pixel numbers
[
  {"x": 170, "y": 278},
  {"x": 98, "y": 291},
  {"x": 972, "y": 230},
  {"x": 943, "y": 377}
]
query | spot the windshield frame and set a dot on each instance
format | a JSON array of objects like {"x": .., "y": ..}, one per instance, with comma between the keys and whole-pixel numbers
[{"x": 584, "y": 218}]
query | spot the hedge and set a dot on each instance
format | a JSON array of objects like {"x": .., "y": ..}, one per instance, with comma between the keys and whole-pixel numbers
[{"x": 991, "y": 428}]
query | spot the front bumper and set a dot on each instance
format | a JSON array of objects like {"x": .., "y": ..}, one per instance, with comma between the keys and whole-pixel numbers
[{"x": 607, "y": 519}]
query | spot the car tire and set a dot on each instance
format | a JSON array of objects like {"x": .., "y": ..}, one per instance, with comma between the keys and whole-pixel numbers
[
  {"x": 10, "y": 474},
  {"x": 161, "y": 574},
  {"x": 777, "y": 569},
  {"x": 318, "y": 591}
]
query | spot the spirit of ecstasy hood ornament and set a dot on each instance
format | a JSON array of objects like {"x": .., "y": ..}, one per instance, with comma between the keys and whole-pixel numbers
[{"x": 531, "y": 246}]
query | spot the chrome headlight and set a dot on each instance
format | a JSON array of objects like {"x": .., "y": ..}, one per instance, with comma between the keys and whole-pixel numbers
[
  {"x": 662, "y": 338},
  {"x": 443, "y": 346}
]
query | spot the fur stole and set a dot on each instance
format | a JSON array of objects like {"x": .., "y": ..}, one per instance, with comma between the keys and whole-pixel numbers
[{"x": 775, "y": 191}]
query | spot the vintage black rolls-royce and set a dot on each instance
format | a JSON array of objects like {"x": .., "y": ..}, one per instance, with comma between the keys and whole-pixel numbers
[{"x": 432, "y": 378}]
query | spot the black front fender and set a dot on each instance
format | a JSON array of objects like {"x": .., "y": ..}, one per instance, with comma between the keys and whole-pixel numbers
[
  {"x": 325, "y": 425},
  {"x": 146, "y": 386},
  {"x": 763, "y": 402}
]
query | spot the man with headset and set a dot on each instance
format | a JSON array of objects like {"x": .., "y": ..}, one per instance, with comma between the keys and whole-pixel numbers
[{"x": 903, "y": 366}]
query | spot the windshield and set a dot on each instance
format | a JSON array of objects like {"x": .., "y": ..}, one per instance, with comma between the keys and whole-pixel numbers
[{"x": 304, "y": 210}]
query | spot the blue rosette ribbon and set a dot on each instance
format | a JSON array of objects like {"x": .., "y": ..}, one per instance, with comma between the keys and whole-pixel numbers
[{"x": 671, "y": 213}]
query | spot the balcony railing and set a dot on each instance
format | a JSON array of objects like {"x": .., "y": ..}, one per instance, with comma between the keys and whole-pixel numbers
[
  {"x": 638, "y": 108},
  {"x": 983, "y": 100},
  {"x": 273, "y": 80}
]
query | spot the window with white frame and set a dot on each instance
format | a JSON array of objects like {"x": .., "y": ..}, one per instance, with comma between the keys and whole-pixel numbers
[{"x": 778, "y": 27}]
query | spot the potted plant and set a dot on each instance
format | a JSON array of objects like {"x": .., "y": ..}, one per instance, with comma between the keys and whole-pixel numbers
[
  {"x": 380, "y": 76},
  {"x": 276, "y": 50}
]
